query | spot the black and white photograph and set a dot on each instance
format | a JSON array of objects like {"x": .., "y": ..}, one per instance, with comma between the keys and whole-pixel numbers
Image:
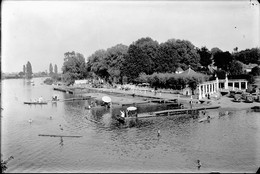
[{"x": 130, "y": 86}]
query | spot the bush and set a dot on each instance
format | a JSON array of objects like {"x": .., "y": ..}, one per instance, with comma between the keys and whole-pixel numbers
[{"x": 48, "y": 81}]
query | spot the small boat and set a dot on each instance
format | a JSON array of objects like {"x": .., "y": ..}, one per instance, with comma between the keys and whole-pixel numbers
[{"x": 35, "y": 103}]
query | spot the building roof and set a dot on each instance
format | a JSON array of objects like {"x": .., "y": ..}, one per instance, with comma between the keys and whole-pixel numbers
[
  {"x": 179, "y": 69},
  {"x": 190, "y": 72}
]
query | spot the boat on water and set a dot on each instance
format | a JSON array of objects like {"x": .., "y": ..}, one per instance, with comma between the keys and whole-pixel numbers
[{"x": 35, "y": 103}]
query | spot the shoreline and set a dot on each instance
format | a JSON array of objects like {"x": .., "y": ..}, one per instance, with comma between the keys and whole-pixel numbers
[{"x": 224, "y": 102}]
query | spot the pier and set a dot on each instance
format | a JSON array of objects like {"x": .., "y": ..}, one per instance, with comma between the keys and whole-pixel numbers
[
  {"x": 63, "y": 90},
  {"x": 174, "y": 112},
  {"x": 71, "y": 136}
]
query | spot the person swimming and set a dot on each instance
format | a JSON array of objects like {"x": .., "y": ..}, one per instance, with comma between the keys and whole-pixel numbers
[
  {"x": 30, "y": 120},
  {"x": 158, "y": 133},
  {"x": 61, "y": 128},
  {"x": 198, "y": 164}
]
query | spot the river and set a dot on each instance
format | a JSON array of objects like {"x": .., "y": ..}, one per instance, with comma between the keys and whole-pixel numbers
[{"x": 226, "y": 144}]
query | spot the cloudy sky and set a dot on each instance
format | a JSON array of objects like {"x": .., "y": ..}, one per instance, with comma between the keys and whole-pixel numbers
[{"x": 42, "y": 31}]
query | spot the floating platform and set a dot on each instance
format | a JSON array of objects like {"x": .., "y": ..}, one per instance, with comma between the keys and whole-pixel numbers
[
  {"x": 80, "y": 98},
  {"x": 173, "y": 112},
  {"x": 71, "y": 136},
  {"x": 35, "y": 103},
  {"x": 64, "y": 90}
]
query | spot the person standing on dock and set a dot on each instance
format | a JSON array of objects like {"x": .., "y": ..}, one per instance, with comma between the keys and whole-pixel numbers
[{"x": 155, "y": 91}]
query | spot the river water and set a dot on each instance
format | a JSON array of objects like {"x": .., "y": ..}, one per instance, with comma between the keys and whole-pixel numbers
[{"x": 226, "y": 144}]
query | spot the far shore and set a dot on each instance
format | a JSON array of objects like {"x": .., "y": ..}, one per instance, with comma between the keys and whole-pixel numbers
[{"x": 224, "y": 102}]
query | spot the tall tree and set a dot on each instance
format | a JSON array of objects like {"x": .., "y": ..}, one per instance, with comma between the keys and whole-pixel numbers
[
  {"x": 115, "y": 57},
  {"x": 140, "y": 58},
  {"x": 97, "y": 64},
  {"x": 205, "y": 56},
  {"x": 29, "y": 70},
  {"x": 248, "y": 56},
  {"x": 223, "y": 60},
  {"x": 74, "y": 67},
  {"x": 176, "y": 53},
  {"x": 24, "y": 69},
  {"x": 215, "y": 50},
  {"x": 51, "y": 69},
  {"x": 55, "y": 69},
  {"x": 236, "y": 68}
]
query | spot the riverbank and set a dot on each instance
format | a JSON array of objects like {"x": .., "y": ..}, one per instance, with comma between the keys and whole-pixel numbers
[{"x": 127, "y": 97}]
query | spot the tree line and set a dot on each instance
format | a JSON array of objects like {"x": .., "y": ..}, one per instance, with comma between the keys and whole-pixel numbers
[
  {"x": 125, "y": 64},
  {"x": 28, "y": 72}
]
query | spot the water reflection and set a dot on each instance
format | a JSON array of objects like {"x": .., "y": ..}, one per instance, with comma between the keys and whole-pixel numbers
[{"x": 61, "y": 142}]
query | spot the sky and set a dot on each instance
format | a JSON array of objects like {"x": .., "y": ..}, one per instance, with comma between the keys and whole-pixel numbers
[{"x": 42, "y": 31}]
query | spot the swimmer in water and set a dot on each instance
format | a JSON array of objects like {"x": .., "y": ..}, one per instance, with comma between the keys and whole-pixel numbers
[
  {"x": 158, "y": 133},
  {"x": 199, "y": 164},
  {"x": 30, "y": 120},
  {"x": 61, "y": 128}
]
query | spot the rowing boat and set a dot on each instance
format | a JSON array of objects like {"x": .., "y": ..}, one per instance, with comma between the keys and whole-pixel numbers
[{"x": 35, "y": 103}]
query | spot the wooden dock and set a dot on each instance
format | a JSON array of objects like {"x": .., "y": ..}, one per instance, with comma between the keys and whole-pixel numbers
[
  {"x": 71, "y": 136},
  {"x": 80, "y": 98},
  {"x": 63, "y": 90},
  {"x": 135, "y": 104},
  {"x": 173, "y": 112}
]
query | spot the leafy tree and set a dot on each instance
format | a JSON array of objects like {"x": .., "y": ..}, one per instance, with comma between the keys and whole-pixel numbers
[
  {"x": 140, "y": 58},
  {"x": 215, "y": 50},
  {"x": 205, "y": 56},
  {"x": 236, "y": 68},
  {"x": 115, "y": 58},
  {"x": 188, "y": 54},
  {"x": 55, "y": 69},
  {"x": 21, "y": 74},
  {"x": 248, "y": 56},
  {"x": 51, "y": 69},
  {"x": 255, "y": 71},
  {"x": 97, "y": 64},
  {"x": 193, "y": 83},
  {"x": 168, "y": 57},
  {"x": 176, "y": 53},
  {"x": 223, "y": 60},
  {"x": 74, "y": 67},
  {"x": 24, "y": 69},
  {"x": 28, "y": 70}
]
